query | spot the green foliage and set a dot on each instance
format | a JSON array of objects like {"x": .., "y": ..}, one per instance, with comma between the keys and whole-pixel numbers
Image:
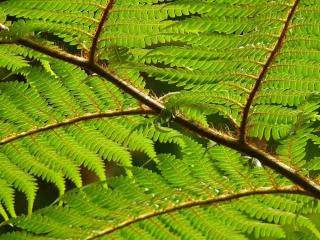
[
  {"x": 199, "y": 176},
  {"x": 60, "y": 96},
  {"x": 205, "y": 56}
]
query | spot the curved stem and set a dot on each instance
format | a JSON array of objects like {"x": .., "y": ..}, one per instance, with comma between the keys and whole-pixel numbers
[
  {"x": 198, "y": 203},
  {"x": 66, "y": 122},
  {"x": 202, "y": 131}
]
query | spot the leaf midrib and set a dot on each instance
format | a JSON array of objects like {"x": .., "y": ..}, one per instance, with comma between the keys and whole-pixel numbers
[
  {"x": 70, "y": 121},
  {"x": 198, "y": 203}
]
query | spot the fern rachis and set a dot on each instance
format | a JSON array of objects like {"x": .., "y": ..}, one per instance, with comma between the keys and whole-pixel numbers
[{"x": 250, "y": 67}]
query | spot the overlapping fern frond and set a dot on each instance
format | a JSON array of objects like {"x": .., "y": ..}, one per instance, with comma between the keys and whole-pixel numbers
[
  {"x": 80, "y": 85},
  {"x": 62, "y": 119},
  {"x": 173, "y": 204}
]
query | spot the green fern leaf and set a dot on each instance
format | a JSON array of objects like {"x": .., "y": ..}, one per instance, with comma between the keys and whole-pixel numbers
[
  {"x": 210, "y": 109},
  {"x": 143, "y": 201},
  {"x": 54, "y": 123}
]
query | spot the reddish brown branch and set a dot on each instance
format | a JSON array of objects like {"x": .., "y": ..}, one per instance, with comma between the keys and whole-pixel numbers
[
  {"x": 84, "y": 63},
  {"x": 250, "y": 150},
  {"x": 212, "y": 134},
  {"x": 99, "y": 30},
  {"x": 59, "y": 54},
  {"x": 263, "y": 73},
  {"x": 198, "y": 203},
  {"x": 70, "y": 121}
]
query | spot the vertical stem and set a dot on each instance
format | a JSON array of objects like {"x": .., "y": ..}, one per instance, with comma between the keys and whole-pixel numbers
[{"x": 99, "y": 30}]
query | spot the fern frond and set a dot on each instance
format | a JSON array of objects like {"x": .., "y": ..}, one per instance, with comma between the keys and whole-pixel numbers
[
  {"x": 11, "y": 61},
  {"x": 48, "y": 16},
  {"x": 54, "y": 124},
  {"x": 226, "y": 103},
  {"x": 254, "y": 63},
  {"x": 292, "y": 150},
  {"x": 140, "y": 205},
  {"x": 19, "y": 179},
  {"x": 213, "y": 53}
]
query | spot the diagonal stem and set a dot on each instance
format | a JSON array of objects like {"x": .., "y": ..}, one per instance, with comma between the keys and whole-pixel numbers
[
  {"x": 264, "y": 71},
  {"x": 84, "y": 63},
  {"x": 99, "y": 30},
  {"x": 200, "y": 130}
]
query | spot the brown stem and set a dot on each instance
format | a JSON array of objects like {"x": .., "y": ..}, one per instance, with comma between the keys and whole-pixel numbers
[
  {"x": 157, "y": 107},
  {"x": 70, "y": 121},
  {"x": 197, "y": 203},
  {"x": 250, "y": 150},
  {"x": 84, "y": 63},
  {"x": 99, "y": 30},
  {"x": 59, "y": 54},
  {"x": 263, "y": 73}
]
